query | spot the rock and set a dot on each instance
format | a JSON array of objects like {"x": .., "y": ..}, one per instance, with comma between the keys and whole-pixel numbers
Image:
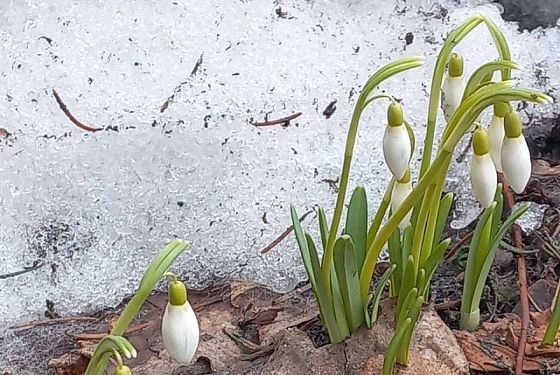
[
  {"x": 433, "y": 351},
  {"x": 531, "y": 13},
  {"x": 296, "y": 355}
]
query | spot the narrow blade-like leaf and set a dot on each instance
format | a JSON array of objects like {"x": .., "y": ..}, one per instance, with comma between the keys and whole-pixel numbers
[{"x": 357, "y": 223}]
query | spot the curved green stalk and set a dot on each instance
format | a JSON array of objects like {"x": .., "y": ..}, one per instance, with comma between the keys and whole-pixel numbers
[
  {"x": 437, "y": 78},
  {"x": 501, "y": 44},
  {"x": 152, "y": 276},
  {"x": 105, "y": 349},
  {"x": 484, "y": 71},
  {"x": 381, "y": 75},
  {"x": 380, "y": 213}
]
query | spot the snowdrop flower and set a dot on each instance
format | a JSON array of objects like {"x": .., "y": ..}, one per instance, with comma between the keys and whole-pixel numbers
[
  {"x": 401, "y": 189},
  {"x": 496, "y": 133},
  {"x": 453, "y": 86},
  {"x": 516, "y": 160},
  {"x": 483, "y": 174},
  {"x": 179, "y": 326},
  {"x": 397, "y": 147}
]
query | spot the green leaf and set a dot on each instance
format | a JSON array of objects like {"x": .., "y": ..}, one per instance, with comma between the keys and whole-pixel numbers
[
  {"x": 479, "y": 75},
  {"x": 491, "y": 253},
  {"x": 443, "y": 215},
  {"x": 308, "y": 255},
  {"x": 394, "y": 345},
  {"x": 323, "y": 227},
  {"x": 357, "y": 224},
  {"x": 404, "y": 304},
  {"x": 161, "y": 263},
  {"x": 501, "y": 44},
  {"x": 375, "y": 298},
  {"x": 471, "y": 271},
  {"x": 338, "y": 306},
  {"x": 414, "y": 313},
  {"x": 348, "y": 281},
  {"x": 320, "y": 288},
  {"x": 395, "y": 256},
  {"x": 408, "y": 280},
  {"x": 380, "y": 214},
  {"x": 432, "y": 262},
  {"x": 497, "y": 216}
]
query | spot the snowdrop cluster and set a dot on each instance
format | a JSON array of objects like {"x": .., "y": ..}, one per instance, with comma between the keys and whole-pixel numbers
[
  {"x": 501, "y": 148},
  {"x": 397, "y": 151}
]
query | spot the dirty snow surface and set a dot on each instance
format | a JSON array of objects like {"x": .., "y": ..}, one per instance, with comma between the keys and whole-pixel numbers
[{"x": 175, "y": 86}]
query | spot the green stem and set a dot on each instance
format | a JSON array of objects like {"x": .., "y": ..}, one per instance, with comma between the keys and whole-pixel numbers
[
  {"x": 470, "y": 320},
  {"x": 105, "y": 349},
  {"x": 552, "y": 328},
  {"x": 391, "y": 224},
  {"x": 437, "y": 78},
  {"x": 381, "y": 75},
  {"x": 380, "y": 213}
]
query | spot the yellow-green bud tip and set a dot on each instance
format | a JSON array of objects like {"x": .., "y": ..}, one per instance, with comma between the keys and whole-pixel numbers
[
  {"x": 455, "y": 65},
  {"x": 406, "y": 178},
  {"x": 395, "y": 114},
  {"x": 177, "y": 293},
  {"x": 481, "y": 144},
  {"x": 501, "y": 109},
  {"x": 512, "y": 124},
  {"x": 122, "y": 370}
]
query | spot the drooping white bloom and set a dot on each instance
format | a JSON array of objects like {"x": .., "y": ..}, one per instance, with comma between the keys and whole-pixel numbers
[
  {"x": 482, "y": 172},
  {"x": 496, "y": 133},
  {"x": 453, "y": 86},
  {"x": 516, "y": 159},
  {"x": 401, "y": 189},
  {"x": 179, "y": 326},
  {"x": 397, "y": 147}
]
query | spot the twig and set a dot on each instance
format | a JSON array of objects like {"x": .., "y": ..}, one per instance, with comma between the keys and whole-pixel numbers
[
  {"x": 48, "y": 322},
  {"x": 284, "y": 234},
  {"x": 36, "y": 265},
  {"x": 179, "y": 88},
  {"x": 283, "y": 120},
  {"x": 458, "y": 245},
  {"x": 522, "y": 277},
  {"x": 99, "y": 336},
  {"x": 70, "y": 116},
  {"x": 447, "y": 305}
]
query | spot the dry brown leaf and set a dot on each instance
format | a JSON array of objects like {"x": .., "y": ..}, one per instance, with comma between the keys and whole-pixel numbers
[
  {"x": 543, "y": 168},
  {"x": 493, "y": 348}
]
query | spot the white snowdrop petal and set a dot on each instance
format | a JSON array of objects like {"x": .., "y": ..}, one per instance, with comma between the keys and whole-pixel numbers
[
  {"x": 179, "y": 328},
  {"x": 483, "y": 179},
  {"x": 516, "y": 162},
  {"x": 396, "y": 150},
  {"x": 451, "y": 94},
  {"x": 496, "y": 136},
  {"x": 399, "y": 194}
]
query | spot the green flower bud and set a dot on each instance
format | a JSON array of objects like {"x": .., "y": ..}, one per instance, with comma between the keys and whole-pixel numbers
[
  {"x": 122, "y": 370},
  {"x": 395, "y": 114},
  {"x": 512, "y": 124},
  {"x": 455, "y": 68},
  {"x": 177, "y": 293},
  {"x": 501, "y": 109},
  {"x": 481, "y": 144}
]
